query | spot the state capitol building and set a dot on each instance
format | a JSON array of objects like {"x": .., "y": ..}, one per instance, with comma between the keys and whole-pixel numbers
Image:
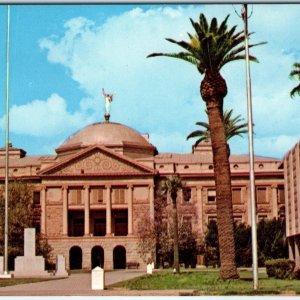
[{"x": 102, "y": 181}]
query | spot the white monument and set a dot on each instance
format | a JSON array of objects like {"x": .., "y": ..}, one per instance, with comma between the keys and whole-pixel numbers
[
  {"x": 98, "y": 279},
  {"x": 29, "y": 265},
  {"x": 61, "y": 270},
  {"x": 149, "y": 269}
]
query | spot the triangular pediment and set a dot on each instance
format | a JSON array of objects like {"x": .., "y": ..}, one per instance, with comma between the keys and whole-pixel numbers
[{"x": 99, "y": 161}]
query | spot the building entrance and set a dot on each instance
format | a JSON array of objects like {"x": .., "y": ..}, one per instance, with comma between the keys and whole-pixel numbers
[
  {"x": 75, "y": 256},
  {"x": 119, "y": 257},
  {"x": 97, "y": 257}
]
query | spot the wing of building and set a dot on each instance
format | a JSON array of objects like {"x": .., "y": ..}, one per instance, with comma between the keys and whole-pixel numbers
[{"x": 100, "y": 187}]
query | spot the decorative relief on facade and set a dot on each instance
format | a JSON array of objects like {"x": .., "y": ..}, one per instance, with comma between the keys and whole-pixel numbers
[{"x": 97, "y": 163}]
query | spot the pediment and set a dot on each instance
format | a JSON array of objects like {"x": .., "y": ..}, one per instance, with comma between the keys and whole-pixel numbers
[{"x": 98, "y": 161}]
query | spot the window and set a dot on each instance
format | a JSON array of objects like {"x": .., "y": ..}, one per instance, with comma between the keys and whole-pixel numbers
[
  {"x": 97, "y": 196},
  {"x": 187, "y": 194},
  {"x": 75, "y": 196},
  {"x": 36, "y": 198},
  {"x": 262, "y": 217},
  {"x": 280, "y": 191},
  {"x": 119, "y": 195},
  {"x": 211, "y": 219},
  {"x": 238, "y": 219},
  {"x": 236, "y": 196},
  {"x": 261, "y": 195},
  {"x": 211, "y": 196}
]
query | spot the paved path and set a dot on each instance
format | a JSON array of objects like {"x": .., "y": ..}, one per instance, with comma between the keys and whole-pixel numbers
[{"x": 80, "y": 285}]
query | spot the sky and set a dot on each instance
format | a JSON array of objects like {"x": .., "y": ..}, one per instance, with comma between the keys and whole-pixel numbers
[{"x": 61, "y": 57}]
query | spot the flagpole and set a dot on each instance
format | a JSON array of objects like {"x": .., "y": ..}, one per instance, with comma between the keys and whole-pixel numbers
[
  {"x": 251, "y": 155},
  {"x": 5, "y": 261}
]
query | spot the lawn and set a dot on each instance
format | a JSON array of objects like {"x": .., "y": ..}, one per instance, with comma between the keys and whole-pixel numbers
[
  {"x": 15, "y": 281},
  {"x": 206, "y": 282}
]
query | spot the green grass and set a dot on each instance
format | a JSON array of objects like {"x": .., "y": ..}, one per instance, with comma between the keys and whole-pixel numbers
[
  {"x": 15, "y": 281},
  {"x": 207, "y": 282}
]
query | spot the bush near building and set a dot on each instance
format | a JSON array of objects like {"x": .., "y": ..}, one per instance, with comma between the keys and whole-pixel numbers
[
  {"x": 271, "y": 242},
  {"x": 280, "y": 268}
]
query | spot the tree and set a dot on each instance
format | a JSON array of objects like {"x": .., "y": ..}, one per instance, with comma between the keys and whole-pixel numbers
[
  {"x": 21, "y": 214},
  {"x": 295, "y": 73},
  {"x": 209, "y": 49},
  {"x": 156, "y": 236},
  {"x": 271, "y": 241},
  {"x": 170, "y": 186},
  {"x": 232, "y": 128}
]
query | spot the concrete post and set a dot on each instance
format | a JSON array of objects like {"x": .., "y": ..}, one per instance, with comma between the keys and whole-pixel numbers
[{"x": 98, "y": 279}]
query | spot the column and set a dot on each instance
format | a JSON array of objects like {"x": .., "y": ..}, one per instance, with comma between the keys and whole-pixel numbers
[
  {"x": 130, "y": 196},
  {"x": 108, "y": 210},
  {"x": 274, "y": 201},
  {"x": 151, "y": 198},
  {"x": 199, "y": 203},
  {"x": 65, "y": 210},
  {"x": 86, "y": 210},
  {"x": 43, "y": 210}
]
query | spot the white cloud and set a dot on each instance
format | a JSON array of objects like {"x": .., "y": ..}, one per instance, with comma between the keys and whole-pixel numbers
[
  {"x": 43, "y": 118},
  {"x": 161, "y": 95}
]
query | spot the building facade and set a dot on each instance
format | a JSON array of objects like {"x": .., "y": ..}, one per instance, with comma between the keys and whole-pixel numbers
[
  {"x": 100, "y": 186},
  {"x": 291, "y": 164}
]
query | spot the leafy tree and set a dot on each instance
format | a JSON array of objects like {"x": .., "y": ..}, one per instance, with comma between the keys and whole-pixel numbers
[
  {"x": 21, "y": 214},
  {"x": 295, "y": 73},
  {"x": 210, "y": 48},
  {"x": 171, "y": 185},
  {"x": 270, "y": 238}
]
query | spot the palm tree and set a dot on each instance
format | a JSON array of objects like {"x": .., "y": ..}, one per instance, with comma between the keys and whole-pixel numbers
[
  {"x": 295, "y": 73},
  {"x": 170, "y": 186},
  {"x": 232, "y": 128},
  {"x": 209, "y": 49}
]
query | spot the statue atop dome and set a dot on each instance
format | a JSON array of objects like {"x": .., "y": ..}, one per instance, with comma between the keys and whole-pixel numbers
[{"x": 108, "y": 99}]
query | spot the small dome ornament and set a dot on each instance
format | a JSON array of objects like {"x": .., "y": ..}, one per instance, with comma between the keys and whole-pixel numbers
[{"x": 108, "y": 99}]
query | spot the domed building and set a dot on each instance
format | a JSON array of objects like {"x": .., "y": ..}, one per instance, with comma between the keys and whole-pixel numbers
[{"x": 99, "y": 189}]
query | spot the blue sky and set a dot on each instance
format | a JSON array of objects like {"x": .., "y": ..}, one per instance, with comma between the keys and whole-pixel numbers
[{"x": 62, "y": 57}]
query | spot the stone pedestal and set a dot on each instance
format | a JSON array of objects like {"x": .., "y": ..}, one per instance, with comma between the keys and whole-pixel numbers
[
  {"x": 61, "y": 266},
  {"x": 29, "y": 265},
  {"x": 98, "y": 279},
  {"x": 149, "y": 269}
]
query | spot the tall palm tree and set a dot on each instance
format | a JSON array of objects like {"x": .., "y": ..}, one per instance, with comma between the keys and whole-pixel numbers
[
  {"x": 295, "y": 73},
  {"x": 232, "y": 128},
  {"x": 209, "y": 49},
  {"x": 170, "y": 186}
]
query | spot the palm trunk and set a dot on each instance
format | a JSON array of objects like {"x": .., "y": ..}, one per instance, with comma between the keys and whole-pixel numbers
[
  {"x": 175, "y": 233},
  {"x": 213, "y": 90}
]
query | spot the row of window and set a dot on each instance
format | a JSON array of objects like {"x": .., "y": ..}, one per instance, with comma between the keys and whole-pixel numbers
[
  {"x": 97, "y": 196},
  {"x": 261, "y": 195}
]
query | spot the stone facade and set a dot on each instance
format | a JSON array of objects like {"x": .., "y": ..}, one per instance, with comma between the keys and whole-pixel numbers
[
  {"x": 292, "y": 195},
  {"x": 96, "y": 191}
]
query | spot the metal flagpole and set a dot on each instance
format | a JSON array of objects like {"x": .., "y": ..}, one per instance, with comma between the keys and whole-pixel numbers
[
  {"x": 251, "y": 155},
  {"x": 5, "y": 262}
]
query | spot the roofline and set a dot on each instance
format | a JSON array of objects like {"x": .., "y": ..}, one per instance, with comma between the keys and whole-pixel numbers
[{"x": 91, "y": 148}]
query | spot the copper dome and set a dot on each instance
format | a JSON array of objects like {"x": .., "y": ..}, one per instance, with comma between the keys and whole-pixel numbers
[{"x": 108, "y": 134}]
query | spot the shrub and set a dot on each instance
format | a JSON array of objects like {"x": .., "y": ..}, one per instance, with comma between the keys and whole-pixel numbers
[
  {"x": 296, "y": 273},
  {"x": 280, "y": 268}
]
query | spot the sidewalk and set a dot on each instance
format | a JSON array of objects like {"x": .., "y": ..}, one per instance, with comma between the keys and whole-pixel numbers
[{"x": 80, "y": 285}]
